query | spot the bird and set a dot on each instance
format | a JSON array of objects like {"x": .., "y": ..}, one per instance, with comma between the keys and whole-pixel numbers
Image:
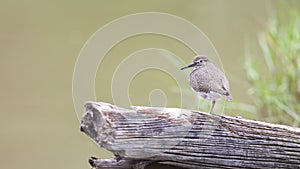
[{"x": 208, "y": 81}]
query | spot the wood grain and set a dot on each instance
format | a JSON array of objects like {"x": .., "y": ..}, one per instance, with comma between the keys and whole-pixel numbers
[{"x": 187, "y": 139}]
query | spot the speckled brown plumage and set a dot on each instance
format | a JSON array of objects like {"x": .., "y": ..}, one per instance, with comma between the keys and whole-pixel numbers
[{"x": 207, "y": 80}]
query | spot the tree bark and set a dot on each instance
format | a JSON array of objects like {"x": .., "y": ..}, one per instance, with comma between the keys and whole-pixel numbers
[{"x": 148, "y": 136}]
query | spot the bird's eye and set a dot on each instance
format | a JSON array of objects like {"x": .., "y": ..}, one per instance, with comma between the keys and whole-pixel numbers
[{"x": 201, "y": 61}]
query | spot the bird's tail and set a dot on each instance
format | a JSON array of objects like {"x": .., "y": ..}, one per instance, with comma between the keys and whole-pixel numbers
[{"x": 228, "y": 96}]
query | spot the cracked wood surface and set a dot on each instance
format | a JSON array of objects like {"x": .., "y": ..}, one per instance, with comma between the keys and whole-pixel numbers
[{"x": 187, "y": 139}]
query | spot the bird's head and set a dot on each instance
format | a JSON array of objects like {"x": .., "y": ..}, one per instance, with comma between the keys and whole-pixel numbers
[{"x": 198, "y": 61}]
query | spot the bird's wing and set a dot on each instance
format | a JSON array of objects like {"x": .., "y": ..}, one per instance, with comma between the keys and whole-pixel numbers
[
  {"x": 220, "y": 81},
  {"x": 225, "y": 83}
]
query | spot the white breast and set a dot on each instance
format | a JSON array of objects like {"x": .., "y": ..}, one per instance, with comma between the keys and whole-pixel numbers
[{"x": 209, "y": 96}]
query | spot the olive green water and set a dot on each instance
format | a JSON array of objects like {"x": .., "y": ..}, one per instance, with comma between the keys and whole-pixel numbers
[{"x": 40, "y": 42}]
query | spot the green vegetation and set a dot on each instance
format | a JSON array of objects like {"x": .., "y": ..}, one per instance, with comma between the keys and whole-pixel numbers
[{"x": 275, "y": 76}]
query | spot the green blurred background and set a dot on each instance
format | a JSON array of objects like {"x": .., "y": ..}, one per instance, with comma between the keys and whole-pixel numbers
[{"x": 40, "y": 42}]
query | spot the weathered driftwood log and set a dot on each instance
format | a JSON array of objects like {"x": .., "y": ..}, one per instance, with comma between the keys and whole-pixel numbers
[{"x": 187, "y": 139}]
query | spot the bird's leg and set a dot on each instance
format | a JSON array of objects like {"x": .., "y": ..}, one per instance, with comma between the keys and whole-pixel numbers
[{"x": 213, "y": 102}]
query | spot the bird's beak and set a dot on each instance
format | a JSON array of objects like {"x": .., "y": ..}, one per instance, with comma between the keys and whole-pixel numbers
[{"x": 188, "y": 66}]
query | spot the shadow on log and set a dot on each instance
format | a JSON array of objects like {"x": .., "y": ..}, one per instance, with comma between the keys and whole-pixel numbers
[{"x": 150, "y": 137}]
